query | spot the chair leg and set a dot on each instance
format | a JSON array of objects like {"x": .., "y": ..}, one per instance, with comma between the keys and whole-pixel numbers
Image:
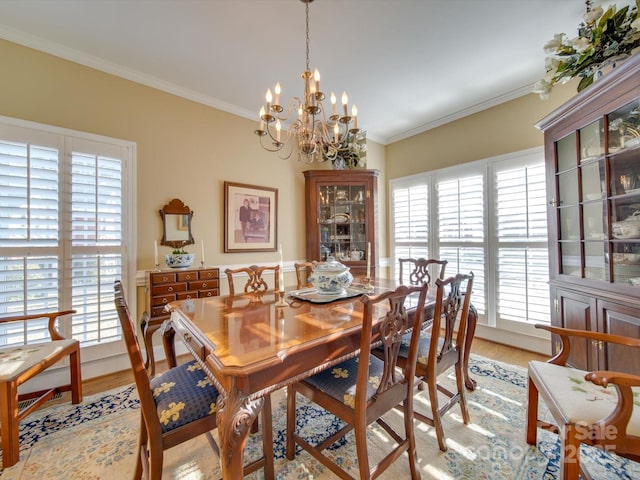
[
  {"x": 9, "y": 423},
  {"x": 291, "y": 423},
  {"x": 410, "y": 436},
  {"x": 570, "y": 451},
  {"x": 76, "y": 376},
  {"x": 142, "y": 441},
  {"x": 267, "y": 439},
  {"x": 532, "y": 413},
  {"x": 362, "y": 453},
  {"x": 435, "y": 415},
  {"x": 461, "y": 392},
  {"x": 156, "y": 455}
]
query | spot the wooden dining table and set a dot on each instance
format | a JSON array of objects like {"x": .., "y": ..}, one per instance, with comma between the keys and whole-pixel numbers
[{"x": 250, "y": 347}]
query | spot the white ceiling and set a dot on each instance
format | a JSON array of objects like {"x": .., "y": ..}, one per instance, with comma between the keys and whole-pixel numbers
[{"x": 409, "y": 65}]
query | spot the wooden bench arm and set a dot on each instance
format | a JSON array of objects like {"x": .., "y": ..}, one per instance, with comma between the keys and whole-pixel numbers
[
  {"x": 618, "y": 420},
  {"x": 566, "y": 333},
  {"x": 52, "y": 316}
]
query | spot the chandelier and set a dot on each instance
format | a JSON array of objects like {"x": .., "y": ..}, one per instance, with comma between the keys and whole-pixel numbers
[{"x": 317, "y": 135}]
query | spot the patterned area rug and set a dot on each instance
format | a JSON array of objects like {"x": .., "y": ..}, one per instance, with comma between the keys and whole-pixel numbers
[{"x": 97, "y": 440}]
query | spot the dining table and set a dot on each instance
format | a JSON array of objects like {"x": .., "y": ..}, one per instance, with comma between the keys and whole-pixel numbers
[{"x": 253, "y": 344}]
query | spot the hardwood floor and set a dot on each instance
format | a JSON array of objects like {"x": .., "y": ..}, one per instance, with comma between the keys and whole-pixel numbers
[{"x": 495, "y": 351}]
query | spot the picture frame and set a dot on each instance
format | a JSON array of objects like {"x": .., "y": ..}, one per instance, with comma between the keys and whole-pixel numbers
[{"x": 250, "y": 218}]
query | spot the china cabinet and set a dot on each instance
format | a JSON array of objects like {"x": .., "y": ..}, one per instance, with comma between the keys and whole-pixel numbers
[
  {"x": 341, "y": 217},
  {"x": 592, "y": 150},
  {"x": 162, "y": 287}
]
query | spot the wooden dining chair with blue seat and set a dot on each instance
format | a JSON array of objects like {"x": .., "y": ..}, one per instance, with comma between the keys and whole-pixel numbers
[
  {"x": 303, "y": 272},
  {"x": 176, "y": 406},
  {"x": 416, "y": 271},
  {"x": 440, "y": 348},
  {"x": 362, "y": 389},
  {"x": 255, "y": 282}
]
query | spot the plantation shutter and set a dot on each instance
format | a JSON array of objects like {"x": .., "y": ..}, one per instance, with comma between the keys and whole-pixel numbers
[
  {"x": 62, "y": 241},
  {"x": 411, "y": 220},
  {"x": 461, "y": 230},
  {"x": 523, "y": 293}
]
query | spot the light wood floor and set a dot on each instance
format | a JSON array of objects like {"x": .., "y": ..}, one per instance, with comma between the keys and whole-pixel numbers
[{"x": 495, "y": 351}]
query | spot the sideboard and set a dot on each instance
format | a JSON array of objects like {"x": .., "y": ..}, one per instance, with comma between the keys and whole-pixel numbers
[{"x": 162, "y": 287}]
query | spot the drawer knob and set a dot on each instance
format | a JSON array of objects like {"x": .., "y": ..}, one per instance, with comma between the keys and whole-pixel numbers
[
  {"x": 171, "y": 289},
  {"x": 187, "y": 337},
  {"x": 164, "y": 279},
  {"x": 164, "y": 300},
  {"x": 209, "y": 294},
  {"x": 188, "y": 277},
  {"x": 204, "y": 284}
]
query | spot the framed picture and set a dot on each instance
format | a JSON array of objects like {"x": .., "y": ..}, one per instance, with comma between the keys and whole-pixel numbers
[{"x": 250, "y": 218}]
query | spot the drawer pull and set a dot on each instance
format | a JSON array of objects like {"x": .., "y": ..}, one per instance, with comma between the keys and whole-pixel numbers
[
  {"x": 164, "y": 300},
  {"x": 164, "y": 279},
  {"x": 188, "y": 297},
  {"x": 187, "y": 337},
  {"x": 188, "y": 277},
  {"x": 209, "y": 294},
  {"x": 171, "y": 289},
  {"x": 204, "y": 284}
]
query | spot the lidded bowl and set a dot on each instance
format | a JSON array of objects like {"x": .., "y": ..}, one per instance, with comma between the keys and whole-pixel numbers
[{"x": 331, "y": 277}]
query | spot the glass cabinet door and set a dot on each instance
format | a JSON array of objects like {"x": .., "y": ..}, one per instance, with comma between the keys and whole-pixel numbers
[
  {"x": 342, "y": 222},
  {"x": 597, "y": 177}
]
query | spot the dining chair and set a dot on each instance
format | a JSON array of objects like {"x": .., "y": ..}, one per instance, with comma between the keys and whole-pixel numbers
[
  {"x": 415, "y": 271},
  {"x": 19, "y": 363},
  {"x": 303, "y": 272},
  {"x": 361, "y": 389},
  {"x": 255, "y": 283},
  {"x": 177, "y": 405},
  {"x": 438, "y": 351},
  {"x": 583, "y": 408}
]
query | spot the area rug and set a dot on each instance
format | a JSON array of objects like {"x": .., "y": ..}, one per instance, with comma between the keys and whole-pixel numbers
[{"x": 96, "y": 440}]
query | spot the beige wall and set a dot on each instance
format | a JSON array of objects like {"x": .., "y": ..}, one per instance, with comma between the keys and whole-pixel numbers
[{"x": 185, "y": 149}]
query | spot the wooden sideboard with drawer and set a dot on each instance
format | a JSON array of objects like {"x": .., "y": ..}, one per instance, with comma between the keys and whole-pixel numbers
[{"x": 166, "y": 286}]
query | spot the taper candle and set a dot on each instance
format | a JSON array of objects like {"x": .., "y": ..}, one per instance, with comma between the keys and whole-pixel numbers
[
  {"x": 155, "y": 252},
  {"x": 281, "y": 276},
  {"x": 202, "y": 248}
]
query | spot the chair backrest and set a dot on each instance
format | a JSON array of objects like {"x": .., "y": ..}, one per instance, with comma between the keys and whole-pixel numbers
[
  {"x": 303, "y": 272},
  {"x": 255, "y": 282},
  {"x": 140, "y": 376},
  {"x": 393, "y": 322},
  {"x": 416, "y": 271},
  {"x": 453, "y": 300}
]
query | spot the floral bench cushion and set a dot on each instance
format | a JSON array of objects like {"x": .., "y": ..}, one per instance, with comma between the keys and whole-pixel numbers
[
  {"x": 580, "y": 400},
  {"x": 15, "y": 360}
]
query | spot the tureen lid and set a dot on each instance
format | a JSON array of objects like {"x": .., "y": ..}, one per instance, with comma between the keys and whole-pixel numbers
[{"x": 332, "y": 265}]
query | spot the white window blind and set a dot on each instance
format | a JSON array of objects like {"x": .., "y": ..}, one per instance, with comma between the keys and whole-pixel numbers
[
  {"x": 488, "y": 217},
  {"x": 411, "y": 220},
  {"x": 462, "y": 230},
  {"x": 523, "y": 260},
  {"x": 62, "y": 232}
]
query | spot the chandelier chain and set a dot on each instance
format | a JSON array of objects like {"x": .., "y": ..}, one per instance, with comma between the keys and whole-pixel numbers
[{"x": 307, "y": 33}]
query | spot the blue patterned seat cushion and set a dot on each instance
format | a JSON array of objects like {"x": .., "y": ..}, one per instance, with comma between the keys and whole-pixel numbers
[
  {"x": 182, "y": 395},
  {"x": 423, "y": 346},
  {"x": 340, "y": 381}
]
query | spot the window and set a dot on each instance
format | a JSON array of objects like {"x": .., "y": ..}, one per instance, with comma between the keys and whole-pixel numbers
[
  {"x": 488, "y": 217},
  {"x": 65, "y": 204}
]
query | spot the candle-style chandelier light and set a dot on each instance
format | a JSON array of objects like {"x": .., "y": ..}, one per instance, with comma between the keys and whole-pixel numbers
[{"x": 317, "y": 137}]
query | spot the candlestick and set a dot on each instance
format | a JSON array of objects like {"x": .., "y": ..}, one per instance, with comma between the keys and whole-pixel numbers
[
  {"x": 368, "y": 259},
  {"x": 155, "y": 252},
  {"x": 281, "y": 275}
]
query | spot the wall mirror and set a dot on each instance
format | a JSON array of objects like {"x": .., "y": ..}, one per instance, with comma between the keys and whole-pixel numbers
[{"x": 176, "y": 222}]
